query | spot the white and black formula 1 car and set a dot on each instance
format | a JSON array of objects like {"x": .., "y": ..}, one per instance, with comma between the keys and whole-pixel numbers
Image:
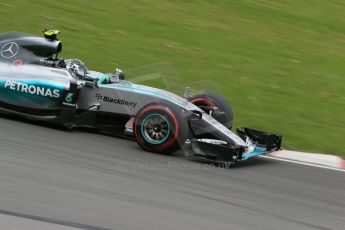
[{"x": 35, "y": 84}]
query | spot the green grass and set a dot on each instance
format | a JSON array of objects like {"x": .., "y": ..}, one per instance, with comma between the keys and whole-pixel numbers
[{"x": 280, "y": 63}]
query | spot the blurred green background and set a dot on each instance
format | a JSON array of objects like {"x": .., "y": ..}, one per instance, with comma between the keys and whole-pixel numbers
[{"x": 280, "y": 63}]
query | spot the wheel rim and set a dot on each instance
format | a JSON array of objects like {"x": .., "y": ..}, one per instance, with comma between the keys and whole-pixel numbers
[{"x": 155, "y": 129}]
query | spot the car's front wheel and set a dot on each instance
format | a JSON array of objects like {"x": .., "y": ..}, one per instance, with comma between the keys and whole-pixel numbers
[
  {"x": 160, "y": 129},
  {"x": 218, "y": 103}
]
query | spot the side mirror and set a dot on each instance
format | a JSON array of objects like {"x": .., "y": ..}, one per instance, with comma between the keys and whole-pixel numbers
[{"x": 186, "y": 93}]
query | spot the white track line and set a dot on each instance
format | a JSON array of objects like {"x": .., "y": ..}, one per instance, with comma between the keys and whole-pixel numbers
[{"x": 305, "y": 163}]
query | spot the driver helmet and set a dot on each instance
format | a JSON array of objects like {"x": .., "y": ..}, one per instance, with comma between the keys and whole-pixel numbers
[{"x": 77, "y": 67}]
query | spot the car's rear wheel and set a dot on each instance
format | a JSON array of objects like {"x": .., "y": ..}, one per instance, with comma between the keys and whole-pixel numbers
[
  {"x": 218, "y": 103},
  {"x": 160, "y": 129}
]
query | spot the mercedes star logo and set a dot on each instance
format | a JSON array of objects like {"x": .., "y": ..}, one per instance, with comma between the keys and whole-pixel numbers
[{"x": 9, "y": 50}]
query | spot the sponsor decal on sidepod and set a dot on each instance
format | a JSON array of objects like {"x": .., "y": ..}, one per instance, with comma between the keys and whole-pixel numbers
[
  {"x": 116, "y": 100},
  {"x": 32, "y": 89}
]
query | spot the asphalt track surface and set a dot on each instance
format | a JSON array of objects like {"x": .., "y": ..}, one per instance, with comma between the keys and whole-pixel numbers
[{"x": 94, "y": 181}]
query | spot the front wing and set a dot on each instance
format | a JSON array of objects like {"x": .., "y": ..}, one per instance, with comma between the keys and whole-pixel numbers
[{"x": 257, "y": 143}]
